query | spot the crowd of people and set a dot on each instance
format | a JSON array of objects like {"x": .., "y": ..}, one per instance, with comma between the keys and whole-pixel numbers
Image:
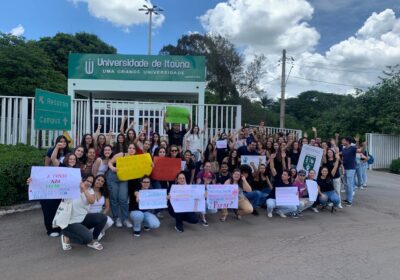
[{"x": 105, "y": 201}]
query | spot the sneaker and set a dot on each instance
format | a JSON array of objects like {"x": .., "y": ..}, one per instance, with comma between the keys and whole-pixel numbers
[
  {"x": 315, "y": 209},
  {"x": 269, "y": 215},
  {"x": 128, "y": 224},
  {"x": 180, "y": 230},
  {"x": 340, "y": 206},
  {"x": 361, "y": 188},
  {"x": 54, "y": 234},
  {"x": 299, "y": 214},
  {"x": 118, "y": 223},
  {"x": 136, "y": 233},
  {"x": 255, "y": 213},
  {"x": 146, "y": 228},
  {"x": 348, "y": 204},
  {"x": 204, "y": 221},
  {"x": 281, "y": 214},
  {"x": 101, "y": 235},
  {"x": 294, "y": 215},
  {"x": 354, "y": 193},
  {"x": 330, "y": 204},
  {"x": 345, "y": 201},
  {"x": 160, "y": 215}
]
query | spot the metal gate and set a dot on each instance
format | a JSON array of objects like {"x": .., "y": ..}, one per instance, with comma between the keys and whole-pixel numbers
[{"x": 384, "y": 149}]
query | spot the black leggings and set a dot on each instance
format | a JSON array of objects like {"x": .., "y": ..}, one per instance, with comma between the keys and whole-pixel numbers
[
  {"x": 49, "y": 209},
  {"x": 189, "y": 217},
  {"x": 80, "y": 233}
]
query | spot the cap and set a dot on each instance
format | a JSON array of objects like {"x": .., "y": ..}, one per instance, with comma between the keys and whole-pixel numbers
[{"x": 302, "y": 172}]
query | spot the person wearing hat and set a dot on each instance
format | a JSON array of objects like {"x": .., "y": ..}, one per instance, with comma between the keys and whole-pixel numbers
[
  {"x": 300, "y": 183},
  {"x": 206, "y": 177}
]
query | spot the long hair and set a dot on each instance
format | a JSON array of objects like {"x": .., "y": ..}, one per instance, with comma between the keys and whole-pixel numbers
[{"x": 104, "y": 191}]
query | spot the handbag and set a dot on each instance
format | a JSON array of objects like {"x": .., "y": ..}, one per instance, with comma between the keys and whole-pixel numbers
[{"x": 63, "y": 214}]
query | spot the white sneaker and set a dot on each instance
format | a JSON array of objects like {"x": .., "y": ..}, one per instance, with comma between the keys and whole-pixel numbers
[
  {"x": 101, "y": 235},
  {"x": 340, "y": 206},
  {"x": 118, "y": 223},
  {"x": 361, "y": 188},
  {"x": 128, "y": 224},
  {"x": 54, "y": 234},
  {"x": 354, "y": 193},
  {"x": 330, "y": 204},
  {"x": 281, "y": 214},
  {"x": 269, "y": 215},
  {"x": 315, "y": 209}
]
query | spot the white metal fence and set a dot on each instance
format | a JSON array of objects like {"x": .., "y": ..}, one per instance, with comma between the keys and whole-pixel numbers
[
  {"x": 298, "y": 133},
  {"x": 17, "y": 118},
  {"x": 384, "y": 149}
]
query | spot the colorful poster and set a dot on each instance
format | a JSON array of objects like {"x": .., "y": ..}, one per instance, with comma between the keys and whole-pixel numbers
[
  {"x": 54, "y": 183},
  {"x": 287, "y": 196},
  {"x": 177, "y": 115},
  {"x": 312, "y": 189},
  {"x": 222, "y": 196},
  {"x": 253, "y": 159},
  {"x": 152, "y": 199},
  {"x": 310, "y": 158},
  {"x": 165, "y": 169},
  {"x": 188, "y": 198},
  {"x": 134, "y": 167}
]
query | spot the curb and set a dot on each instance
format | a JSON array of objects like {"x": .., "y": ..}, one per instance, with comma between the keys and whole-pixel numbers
[{"x": 24, "y": 207}]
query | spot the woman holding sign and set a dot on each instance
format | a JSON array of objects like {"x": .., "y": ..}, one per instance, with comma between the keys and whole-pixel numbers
[
  {"x": 138, "y": 216},
  {"x": 244, "y": 205},
  {"x": 119, "y": 191},
  {"x": 189, "y": 217}
]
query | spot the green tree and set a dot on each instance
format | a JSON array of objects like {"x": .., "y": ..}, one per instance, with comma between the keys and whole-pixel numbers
[{"x": 25, "y": 66}]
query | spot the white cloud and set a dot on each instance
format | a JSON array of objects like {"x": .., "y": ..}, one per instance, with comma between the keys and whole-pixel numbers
[
  {"x": 122, "y": 13},
  {"x": 18, "y": 30},
  {"x": 269, "y": 26}
]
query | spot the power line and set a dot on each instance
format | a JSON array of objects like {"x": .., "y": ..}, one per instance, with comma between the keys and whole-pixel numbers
[
  {"x": 338, "y": 69},
  {"x": 326, "y": 82}
]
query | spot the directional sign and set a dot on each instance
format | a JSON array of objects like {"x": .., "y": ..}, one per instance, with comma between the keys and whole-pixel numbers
[{"x": 52, "y": 111}]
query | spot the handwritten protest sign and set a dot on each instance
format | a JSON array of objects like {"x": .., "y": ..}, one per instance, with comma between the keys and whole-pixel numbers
[
  {"x": 253, "y": 159},
  {"x": 134, "y": 167},
  {"x": 286, "y": 196},
  {"x": 222, "y": 144},
  {"x": 54, "y": 183},
  {"x": 222, "y": 196},
  {"x": 165, "y": 169},
  {"x": 177, "y": 115},
  {"x": 312, "y": 189},
  {"x": 310, "y": 158},
  {"x": 152, "y": 199},
  {"x": 183, "y": 165},
  {"x": 188, "y": 198}
]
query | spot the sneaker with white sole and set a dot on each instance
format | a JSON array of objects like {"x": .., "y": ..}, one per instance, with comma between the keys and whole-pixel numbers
[
  {"x": 118, "y": 223},
  {"x": 281, "y": 214},
  {"x": 136, "y": 233},
  {"x": 269, "y": 215},
  {"x": 128, "y": 223},
  {"x": 315, "y": 209},
  {"x": 146, "y": 228},
  {"x": 54, "y": 234}
]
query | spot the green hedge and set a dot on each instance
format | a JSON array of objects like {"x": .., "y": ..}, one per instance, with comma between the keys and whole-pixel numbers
[
  {"x": 15, "y": 168},
  {"x": 395, "y": 166}
]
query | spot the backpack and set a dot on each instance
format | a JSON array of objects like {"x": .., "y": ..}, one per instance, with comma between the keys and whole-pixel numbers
[{"x": 371, "y": 159}]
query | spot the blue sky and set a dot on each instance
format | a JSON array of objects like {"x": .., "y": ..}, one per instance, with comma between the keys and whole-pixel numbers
[{"x": 340, "y": 34}]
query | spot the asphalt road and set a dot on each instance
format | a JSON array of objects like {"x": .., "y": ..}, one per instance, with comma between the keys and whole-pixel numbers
[{"x": 361, "y": 242}]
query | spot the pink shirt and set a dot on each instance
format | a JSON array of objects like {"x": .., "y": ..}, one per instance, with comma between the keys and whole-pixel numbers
[{"x": 301, "y": 186}]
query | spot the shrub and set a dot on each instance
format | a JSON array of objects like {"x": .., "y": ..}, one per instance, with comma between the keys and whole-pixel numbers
[
  {"x": 395, "y": 166},
  {"x": 15, "y": 168}
]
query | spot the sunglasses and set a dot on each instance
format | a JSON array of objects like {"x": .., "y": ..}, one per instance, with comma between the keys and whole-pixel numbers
[{"x": 173, "y": 151}]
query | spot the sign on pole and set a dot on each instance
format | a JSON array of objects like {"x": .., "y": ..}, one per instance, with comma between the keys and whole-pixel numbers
[{"x": 52, "y": 110}]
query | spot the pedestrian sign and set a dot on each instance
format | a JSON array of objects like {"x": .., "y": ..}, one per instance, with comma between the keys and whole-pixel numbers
[{"x": 52, "y": 110}]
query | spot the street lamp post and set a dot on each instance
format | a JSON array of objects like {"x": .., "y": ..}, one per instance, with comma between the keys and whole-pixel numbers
[{"x": 150, "y": 11}]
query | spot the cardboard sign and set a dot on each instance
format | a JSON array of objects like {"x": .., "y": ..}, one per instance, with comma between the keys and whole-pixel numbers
[
  {"x": 253, "y": 159},
  {"x": 310, "y": 158},
  {"x": 152, "y": 199},
  {"x": 134, "y": 167},
  {"x": 222, "y": 144},
  {"x": 177, "y": 115},
  {"x": 54, "y": 183},
  {"x": 287, "y": 196},
  {"x": 222, "y": 196},
  {"x": 188, "y": 198},
  {"x": 165, "y": 169},
  {"x": 312, "y": 189}
]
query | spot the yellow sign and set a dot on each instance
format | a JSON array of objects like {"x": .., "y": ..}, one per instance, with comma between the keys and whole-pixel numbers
[{"x": 134, "y": 167}]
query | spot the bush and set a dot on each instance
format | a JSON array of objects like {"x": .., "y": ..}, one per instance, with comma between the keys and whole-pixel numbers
[
  {"x": 395, "y": 166},
  {"x": 15, "y": 168}
]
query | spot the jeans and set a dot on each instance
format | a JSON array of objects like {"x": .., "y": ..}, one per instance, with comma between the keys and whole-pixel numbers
[
  {"x": 190, "y": 217},
  {"x": 254, "y": 197},
  {"x": 360, "y": 181},
  {"x": 148, "y": 219},
  {"x": 271, "y": 204},
  {"x": 118, "y": 196},
  {"x": 364, "y": 168},
  {"x": 331, "y": 196},
  {"x": 80, "y": 233},
  {"x": 350, "y": 184},
  {"x": 304, "y": 204}
]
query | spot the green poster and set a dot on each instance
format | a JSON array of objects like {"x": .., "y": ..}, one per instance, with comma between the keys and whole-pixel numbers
[{"x": 177, "y": 115}]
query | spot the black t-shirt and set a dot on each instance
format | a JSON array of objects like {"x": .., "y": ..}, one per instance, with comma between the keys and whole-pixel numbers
[
  {"x": 176, "y": 138},
  {"x": 242, "y": 151},
  {"x": 278, "y": 183},
  {"x": 330, "y": 164},
  {"x": 221, "y": 179},
  {"x": 188, "y": 170},
  {"x": 325, "y": 185},
  {"x": 294, "y": 157}
]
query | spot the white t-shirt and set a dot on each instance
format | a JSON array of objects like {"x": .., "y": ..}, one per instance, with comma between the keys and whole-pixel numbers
[
  {"x": 194, "y": 142},
  {"x": 97, "y": 206},
  {"x": 80, "y": 208}
]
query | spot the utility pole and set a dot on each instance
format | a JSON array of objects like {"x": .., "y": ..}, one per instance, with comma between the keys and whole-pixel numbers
[
  {"x": 150, "y": 11},
  {"x": 283, "y": 85}
]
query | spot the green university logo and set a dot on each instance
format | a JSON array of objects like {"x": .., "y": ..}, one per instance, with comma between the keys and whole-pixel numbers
[{"x": 309, "y": 162}]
